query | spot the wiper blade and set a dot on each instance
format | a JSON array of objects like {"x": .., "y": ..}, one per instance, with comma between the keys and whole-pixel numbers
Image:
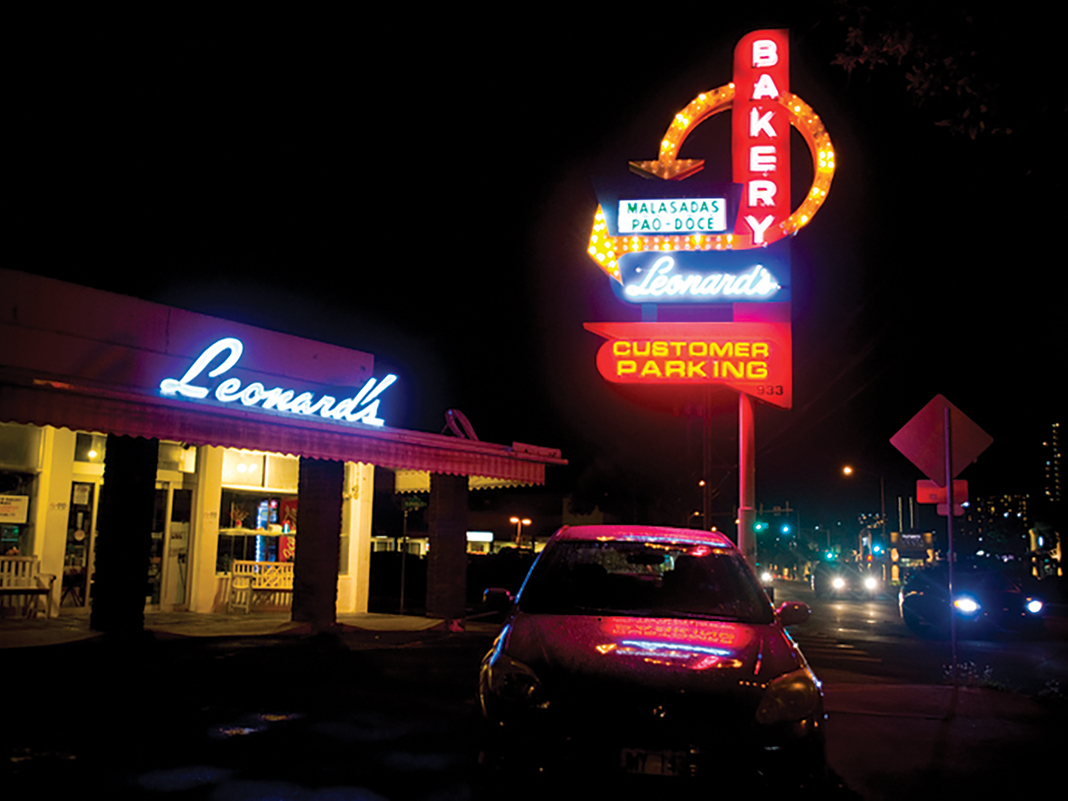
[{"x": 691, "y": 615}]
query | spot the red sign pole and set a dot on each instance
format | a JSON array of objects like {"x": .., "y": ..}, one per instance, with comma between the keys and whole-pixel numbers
[{"x": 746, "y": 479}]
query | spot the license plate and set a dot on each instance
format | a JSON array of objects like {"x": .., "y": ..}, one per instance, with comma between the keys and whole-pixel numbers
[{"x": 655, "y": 763}]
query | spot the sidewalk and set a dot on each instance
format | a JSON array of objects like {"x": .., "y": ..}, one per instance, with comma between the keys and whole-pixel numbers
[
  {"x": 890, "y": 741},
  {"x": 73, "y": 625}
]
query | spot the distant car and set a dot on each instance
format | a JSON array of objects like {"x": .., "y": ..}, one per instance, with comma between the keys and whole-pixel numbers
[
  {"x": 653, "y": 651},
  {"x": 985, "y": 600},
  {"x": 767, "y": 581},
  {"x": 845, "y": 581}
]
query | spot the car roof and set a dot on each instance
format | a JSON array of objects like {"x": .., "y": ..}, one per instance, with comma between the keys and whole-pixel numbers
[{"x": 639, "y": 533}]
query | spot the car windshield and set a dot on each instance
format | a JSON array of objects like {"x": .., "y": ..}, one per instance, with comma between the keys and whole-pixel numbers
[{"x": 623, "y": 577}]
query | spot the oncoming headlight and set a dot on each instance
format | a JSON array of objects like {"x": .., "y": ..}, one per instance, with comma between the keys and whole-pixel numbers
[
  {"x": 968, "y": 606},
  {"x": 791, "y": 697},
  {"x": 871, "y": 583},
  {"x": 838, "y": 583},
  {"x": 1034, "y": 606}
]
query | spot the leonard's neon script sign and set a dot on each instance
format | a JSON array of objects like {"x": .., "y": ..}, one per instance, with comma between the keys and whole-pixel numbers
[{"x": 360, "y": 408}]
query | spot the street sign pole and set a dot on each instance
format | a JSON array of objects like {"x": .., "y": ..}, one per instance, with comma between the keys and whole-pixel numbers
[
  {"x": 920, "y": 442},
  {"x": 949, "y": 536}
]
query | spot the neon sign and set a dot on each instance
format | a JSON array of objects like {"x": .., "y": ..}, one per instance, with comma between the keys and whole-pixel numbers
[
  {"x": 763, "y": 112},
  {"x": 761, "y": 133},
  {"x": 701, "y": 214},
  {"x": 754, "y": 358},
  {"x": 659, "y": 283},
  {"x": 360, "y": 408}
]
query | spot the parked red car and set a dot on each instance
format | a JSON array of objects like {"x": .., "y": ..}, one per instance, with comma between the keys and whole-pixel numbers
[{"x": 642, "y": 650}]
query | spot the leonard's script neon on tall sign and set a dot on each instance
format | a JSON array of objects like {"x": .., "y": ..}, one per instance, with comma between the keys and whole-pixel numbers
[{"x": 682, "y": 239}]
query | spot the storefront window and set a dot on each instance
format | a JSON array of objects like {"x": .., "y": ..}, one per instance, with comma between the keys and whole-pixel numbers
[
  {"x": 16, "y": 532},
  {"x": 90, "y": 448},
  {"x": 258, "y": 518},
  {"x": 20, "y": 457}
]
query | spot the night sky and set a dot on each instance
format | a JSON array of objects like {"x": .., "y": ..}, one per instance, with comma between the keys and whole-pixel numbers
[{"x": 419, "y": 187}]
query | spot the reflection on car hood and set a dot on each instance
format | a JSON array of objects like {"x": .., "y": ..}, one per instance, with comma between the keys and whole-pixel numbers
[{"x": 673, "y": 653}]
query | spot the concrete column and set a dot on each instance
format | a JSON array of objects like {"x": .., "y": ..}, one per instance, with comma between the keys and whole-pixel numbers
[
  {"x": 52, "y": 505},
  {"x": 125, "y": 534},
  {"x": 447, "y": 566},
  {"x": 205, "y": 591},
  {"x": 352, "y": 584},
  {"x": 315, "y": 566}
]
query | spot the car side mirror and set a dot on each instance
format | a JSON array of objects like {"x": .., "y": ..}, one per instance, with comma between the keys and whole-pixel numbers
[
  {"x": 790, "y": 613},
  {"x": 497, "y": 598}
]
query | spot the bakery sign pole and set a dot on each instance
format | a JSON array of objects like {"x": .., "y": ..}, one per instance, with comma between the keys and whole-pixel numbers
[{"x": 668, "y": 236}]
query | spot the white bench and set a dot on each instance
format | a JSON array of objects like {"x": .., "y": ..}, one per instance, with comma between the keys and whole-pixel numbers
[
  {"x": 21, "y": 576},
  {"x": 260, "y": 584}
]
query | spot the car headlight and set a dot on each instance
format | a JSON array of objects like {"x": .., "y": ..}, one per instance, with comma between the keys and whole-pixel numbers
[
  {"x": 511, "y": 682},
  {"x": 1033, "y": 605},
  {"x": 967, "y": 605},
  {"x": 838, "y": 583},
  {"x": 791, "y": 697},
  {"x": 871, "y": 583}
]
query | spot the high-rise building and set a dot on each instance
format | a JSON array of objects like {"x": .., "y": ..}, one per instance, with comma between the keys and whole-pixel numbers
[
  {"x": 998, "y": 523},
  {"x": 1052, "y": 467}
]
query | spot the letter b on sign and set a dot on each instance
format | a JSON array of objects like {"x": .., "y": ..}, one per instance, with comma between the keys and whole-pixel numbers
[{"x": 765, "y": 53}]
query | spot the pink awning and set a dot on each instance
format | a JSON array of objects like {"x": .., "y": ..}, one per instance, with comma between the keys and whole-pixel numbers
[
  {"x": 91, "y": 409},
  {"x": 88, "y": 360}
]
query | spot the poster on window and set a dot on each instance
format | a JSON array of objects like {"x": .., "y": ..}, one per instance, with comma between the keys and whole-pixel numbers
[{"x": 14, "y": 508}]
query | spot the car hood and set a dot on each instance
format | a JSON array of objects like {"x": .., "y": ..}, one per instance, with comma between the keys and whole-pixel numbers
[{"x": 672, "y": 653}]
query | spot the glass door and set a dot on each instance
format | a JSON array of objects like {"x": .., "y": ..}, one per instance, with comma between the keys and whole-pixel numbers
[
  {"x": 168, "y": 557},
  {"x": 176, "y": 550},
  {"x": 77, "y": 558},
  {"x": 156, "y": 549}
]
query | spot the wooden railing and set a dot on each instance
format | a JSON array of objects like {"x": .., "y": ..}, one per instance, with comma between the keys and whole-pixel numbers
[
  {"x": 21, "y": 577},
  {"x": 260, "y": 585}
]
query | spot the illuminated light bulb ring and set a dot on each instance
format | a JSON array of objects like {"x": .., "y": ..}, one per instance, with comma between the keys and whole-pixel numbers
[{"x": 606, "y": 249}]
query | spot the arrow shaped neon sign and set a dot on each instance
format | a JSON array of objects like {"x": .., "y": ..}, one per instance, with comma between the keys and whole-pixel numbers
[{"x": 606, "y": 249}]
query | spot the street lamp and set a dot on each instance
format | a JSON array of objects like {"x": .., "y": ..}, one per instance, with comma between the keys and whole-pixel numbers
[
  {"x": 848, "y": 471},
  {"x": 519, "y": 523}
]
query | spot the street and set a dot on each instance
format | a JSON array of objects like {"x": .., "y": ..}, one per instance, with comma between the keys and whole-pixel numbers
[
  {"x": 853, "y": 640},
  {"x": 368, "y": 715}
]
